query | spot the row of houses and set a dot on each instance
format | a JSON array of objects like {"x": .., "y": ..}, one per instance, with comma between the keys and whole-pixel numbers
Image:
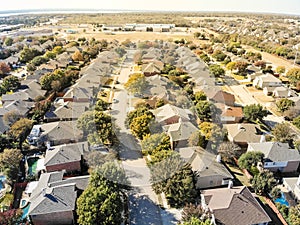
[
  {"x": 228, "y": 204},
  {"x": 140, "y": 27},
  {"x": 52, "y": 199}
]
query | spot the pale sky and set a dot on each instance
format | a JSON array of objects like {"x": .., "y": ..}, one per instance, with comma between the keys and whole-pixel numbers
[{"x": 274, "y": 6}]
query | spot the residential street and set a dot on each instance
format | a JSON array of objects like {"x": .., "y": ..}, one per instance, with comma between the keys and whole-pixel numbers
[{"x": 143, "y": 203}]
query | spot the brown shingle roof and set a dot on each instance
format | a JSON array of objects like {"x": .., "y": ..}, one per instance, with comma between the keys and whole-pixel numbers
[{"x": 235, "y": 206}]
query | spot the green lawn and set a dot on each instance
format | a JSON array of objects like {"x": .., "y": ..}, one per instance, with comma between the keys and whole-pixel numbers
[{"x": 239, "y": 175}]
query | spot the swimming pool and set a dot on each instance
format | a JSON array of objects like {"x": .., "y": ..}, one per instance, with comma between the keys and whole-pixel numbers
[
  {"x": 282, "y": 200},
  {"x": 2, "y": 179},
  {"x": 25, "y": 211},
  {"x": 32, "y": 164}
]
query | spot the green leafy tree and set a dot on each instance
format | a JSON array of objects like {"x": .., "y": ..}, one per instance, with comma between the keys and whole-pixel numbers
[
  {"x": 284, "y": 104},
  {"x": 102, "y": 202},
  {"x": 283, "y": 133},
  {"x": 47, "y": 79},
  {"x": 176, "y": 179},
  {"x": 249, "y": 159},
  {"x": 206, "y": 110},
  {"x": 219, "y": 55},
  {"x": 200, "y": 96},
  {"x": 196, "y": 221},
  {"x": 229, "y": 151},
  {"x": 136, "y": 83},
  {"x": 212, "y": 132},
  {"x": 99, "y": 205},
  {"x": 140, "y": 126},
  {"x": 99, "y": 124},
  {"x": 121, "y": 51},
  {"x": 10, "y": 162},
  {"x": 231, "y": 66},
  {"x": 38, "y": 60},
  {"x": 263, "y": 182},
  {"x": 155, "y": 143},
  {"x": 294, "y": 215},
  {"x": 20, "y": 130},
  {"x": 10, "y": 83},
  {"x": 296, "y": 122},
  {"x": 101, "y": 105},
  {"x": 86, "y": 122},
  {"x": 216, "y": 70},
  {"x": 280, "y": 69},
  {"x": 8, "y": 41},
  {"x": 140, "y": 111},
  {"x": 254, "y": 112},
  {"x": 294, "y": 75},
  {"x": 104, "y": 127},
  {"x": 27, "y": 54}
]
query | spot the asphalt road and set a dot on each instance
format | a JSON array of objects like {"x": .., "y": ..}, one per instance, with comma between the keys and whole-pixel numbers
[{"x": 143, "y": 203}]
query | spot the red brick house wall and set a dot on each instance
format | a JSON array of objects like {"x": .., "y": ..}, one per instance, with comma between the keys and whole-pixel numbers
[
  {"x": 58, "y": 218},
  {"x": 69, "y": 167}
]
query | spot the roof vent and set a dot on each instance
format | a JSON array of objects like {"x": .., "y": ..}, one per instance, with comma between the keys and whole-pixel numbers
[
  {"x": 219, "y": 158},
  {"x": 230, "y": 184},
  {"x": 43, "y": 192}
]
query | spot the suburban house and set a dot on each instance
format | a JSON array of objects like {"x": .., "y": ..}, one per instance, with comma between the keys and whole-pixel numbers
[
  {"x": 244, "y": 133},
  {"x": 278, "y": 156},
  {"x": 160, "y": 87},
  {"x": 66, "y": 157},
  {"x": 234, "y": 205},
  {"x": 180, "y": 133},
  {"x": 293, "y": 186},
  {"x": 150, "y": 69},
  {"x": 56, "y": 133},
  {"x": 230, "y": 114},
  {"x": 170, "y": 114},
  {"x": 208, "y": 167},
  {"x": 284, "y": 92},
  {"x": 266, "y": 80},
  {"x": 66, "y": 110},
  {"x": 223, "y": 97},
  {"x": 53, "y": 200}
]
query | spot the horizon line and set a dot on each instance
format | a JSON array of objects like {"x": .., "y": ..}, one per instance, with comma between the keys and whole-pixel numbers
[{"x": 80, "y": 10}]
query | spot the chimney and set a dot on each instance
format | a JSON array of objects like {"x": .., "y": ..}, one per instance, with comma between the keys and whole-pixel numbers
[
  {"x": 298, "y": 181},
  {"x": 48, "y": 145},
  {"x": 239, "y": 126},
  {"x": 230, "y": 184},
  {"x": 43, "y": 192},
  {"x": 219, "y": 158},
  {"x": 262, "y": 139}
]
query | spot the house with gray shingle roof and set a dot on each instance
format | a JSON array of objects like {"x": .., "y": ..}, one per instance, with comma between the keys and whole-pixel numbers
[
  {"x": 66, "y": 110},
  {"x": 170, "y": 114},
  {"x": 235, "y": 205},
  {"x": 66, "y": 157},
  {"x": 210, "y": 172},
  {"x": 56, "y": 133},
  {"x": 53, "y": 200},
  {"x": 243, "y": 133},
  {"x": 180, "y": 132},
  {"x": 278, "y": 156}
]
